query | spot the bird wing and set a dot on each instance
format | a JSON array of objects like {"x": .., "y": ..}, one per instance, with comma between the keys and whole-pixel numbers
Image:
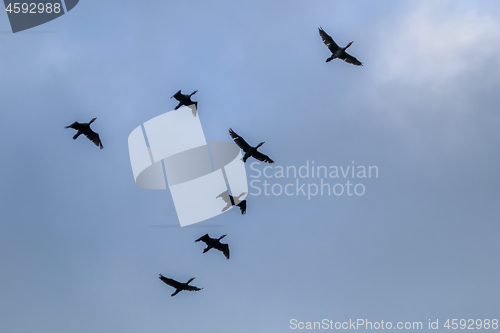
[
  {"x": 262, "y": 157},
  {"x": 224, "y": 248},
  {"x": 243, "y": 207},
  {"x": 329, "y": 42},
  {"x": 178, "y": 96},
  {"x": 350, "y": 59},
  {"x": 239, "y": 141},
  {"x": 170, "y": 282},
  {"x": 194, "y": 109},
  {"x": 192, "y": 288},
  {"x": 225, "y": 196},
  {"x": 205, "y": 238},
  {"x": 76, "y": 125},
  {"x": 94, "y": 137}
]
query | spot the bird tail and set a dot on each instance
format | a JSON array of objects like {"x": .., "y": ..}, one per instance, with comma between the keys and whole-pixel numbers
[
  {"x": 329, "y": 59},
  {"x": 76, "y": 135}
]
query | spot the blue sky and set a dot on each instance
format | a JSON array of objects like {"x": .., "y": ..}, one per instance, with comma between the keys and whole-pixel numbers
[{"x": 82, "y": 246}]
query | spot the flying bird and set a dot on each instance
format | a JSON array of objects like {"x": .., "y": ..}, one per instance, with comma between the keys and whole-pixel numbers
[
  {"x": 249, "y": 150},
  {"x": 233, "y": 201},
  {"x": 84, "y": 128},
  {"x": 185, "y": 100},
  {"x": 214, "y": 243},
  {"x": 337, "y": 51},
  {"x": 179, "y": 286}
]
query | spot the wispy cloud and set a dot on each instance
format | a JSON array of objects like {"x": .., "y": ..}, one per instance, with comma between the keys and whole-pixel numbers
[{"x": 432, "y": 46}]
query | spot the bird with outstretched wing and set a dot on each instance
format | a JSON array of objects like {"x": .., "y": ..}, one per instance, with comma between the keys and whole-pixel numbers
[
  {"x": 178, "y": 285},
  {"x": 214, "y": 243},
  {"x": 84, "y": 128},
  {"x": 337, "y": 51},
  {"x": 249, "y": 150}
]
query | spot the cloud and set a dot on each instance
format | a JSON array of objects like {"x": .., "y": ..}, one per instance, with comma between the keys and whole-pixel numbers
[
  {"x": 435, "y": 45},
  {"x": 434, "y": 75}
]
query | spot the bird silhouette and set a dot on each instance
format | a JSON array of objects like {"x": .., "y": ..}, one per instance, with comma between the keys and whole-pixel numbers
[
  {"x": 249, "y": 150},
  {"x": 186, "y": 101},
  {"x": 337, "y": 51},
  {"x": 84, "y": 128},
  {"x": 215, "y": 244},
  {"x": 233, "y": 201},
  {"x": 179, "y": 286}
]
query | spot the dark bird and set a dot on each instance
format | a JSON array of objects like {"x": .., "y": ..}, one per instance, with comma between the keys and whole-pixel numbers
[
  {"x": 233, "y": 201},
  {"x": 185, "y": 100},
  {"x": 179, "y": 286},
  {"x": 214, "y": 243},
  {"x": 84, "y": 128},
  {"x": 249, "y": 150},
  {"x": 337, "y": 51}
]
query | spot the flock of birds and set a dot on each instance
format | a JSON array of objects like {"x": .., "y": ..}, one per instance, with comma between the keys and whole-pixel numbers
[
  {"x": 212, "y": 243},
  {"x": 185, "y": 100}
]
